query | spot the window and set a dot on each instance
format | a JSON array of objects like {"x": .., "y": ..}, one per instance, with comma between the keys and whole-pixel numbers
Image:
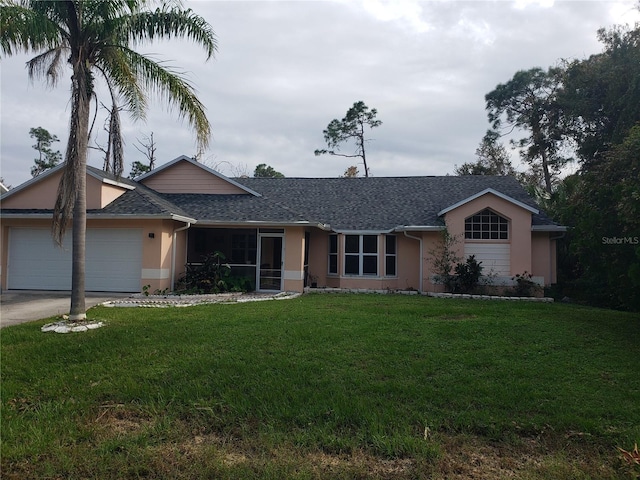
[
  {"x": 361, "y": 255},
  {"x": 243, "y": 248},
  {"x": 333, "y": 254},
  {"x": 390, "y": 255},
  {"x": 237, "y": 245},
  {"x": 486, "y": 225}
]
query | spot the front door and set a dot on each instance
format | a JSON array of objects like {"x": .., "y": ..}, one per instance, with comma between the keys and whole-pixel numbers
[{"x": 270, "y": 263}]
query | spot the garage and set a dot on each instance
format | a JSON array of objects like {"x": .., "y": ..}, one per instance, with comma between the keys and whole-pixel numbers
[{"x": 113, "y": 260}]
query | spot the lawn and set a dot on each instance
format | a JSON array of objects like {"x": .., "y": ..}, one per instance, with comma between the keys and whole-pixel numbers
[{"x": 325, "y": 386}]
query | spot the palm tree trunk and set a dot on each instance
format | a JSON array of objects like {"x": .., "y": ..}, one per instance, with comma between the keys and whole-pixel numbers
[
  {"x": 78, "y": 250},
  {"x": 80, "y": 139}
]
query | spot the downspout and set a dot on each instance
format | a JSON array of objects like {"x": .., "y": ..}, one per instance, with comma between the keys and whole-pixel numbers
[
  {"x": 173, "y": 255},
  {"x": 419, "y": 239}
]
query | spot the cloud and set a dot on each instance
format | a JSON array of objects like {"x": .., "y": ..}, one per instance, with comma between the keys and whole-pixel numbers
[{"x": 284, "y": 70}]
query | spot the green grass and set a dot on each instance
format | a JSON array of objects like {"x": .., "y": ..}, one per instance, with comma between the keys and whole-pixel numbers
[{"x": 325, "y": 386}]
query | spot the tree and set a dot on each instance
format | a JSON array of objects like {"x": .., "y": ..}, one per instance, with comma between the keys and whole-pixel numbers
[
  {"x": 148, "y": 149},
  {"x": 601, "y": 95},
  {"x": 265, "y": 171},
  {"x": 603, "y": 207},
  {"x": 351, "y": 172},
  {"x": 95, "y": 38},
  {"x": 600, "y": 100},
  {"x": 47, "y": 158},
  {"x": 529, "y": 102},
  {"x": 493, "y": 158},
  {"x": 113, "y": 151},
  {"x": 350, "y": 128}
]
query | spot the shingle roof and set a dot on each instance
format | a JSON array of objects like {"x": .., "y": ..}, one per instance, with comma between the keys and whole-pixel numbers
[
  {"x": 143, "y": 201},
  {"x": 383, "y": 203},
  {"x": 345, "y": 204},
  {"x": 235, "y": 208}
]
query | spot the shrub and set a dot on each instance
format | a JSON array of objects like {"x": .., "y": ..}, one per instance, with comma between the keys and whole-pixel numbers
[
  {"x": 211, "y": 276},
  {"x": 444, "y": 259},
  {"x": 467, "y": 275},
  {"x": 525, "y": 286}
]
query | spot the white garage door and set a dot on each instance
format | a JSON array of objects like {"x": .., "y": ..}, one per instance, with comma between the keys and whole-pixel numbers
[
  {"x": 495, "y": 257},
  {"x": 113, "y": 260}
]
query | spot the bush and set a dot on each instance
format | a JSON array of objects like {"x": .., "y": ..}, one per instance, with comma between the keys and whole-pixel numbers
[
  {"x": 211, "y": 276},
  {"x": 467, "y": 275},
  {"x": 525, "y": 286}
]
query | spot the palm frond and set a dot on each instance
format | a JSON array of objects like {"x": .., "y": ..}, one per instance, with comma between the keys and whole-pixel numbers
[
  {"x": 48, "y": 64},
  {"x": 117, "y": 72},
  {"x": 116, "y": 143},
  {"x": 168, "y": 23},
  {"x": 26, "y": 30},
  {"x": 171, "y": 87},
  {"x": 73, "y": 175}
]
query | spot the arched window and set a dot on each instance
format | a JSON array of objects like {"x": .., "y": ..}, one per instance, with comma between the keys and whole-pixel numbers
[{"x": 486, "y": 225}]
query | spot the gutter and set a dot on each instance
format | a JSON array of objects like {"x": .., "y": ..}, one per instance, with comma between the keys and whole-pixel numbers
[
  {"x": 548, "y": 228},
  {"x": 419, "y": 228},
  {"x": 173, "y": 254},
  {"x": 419, "y": 239},
  {"x": 95, "y": 216}
]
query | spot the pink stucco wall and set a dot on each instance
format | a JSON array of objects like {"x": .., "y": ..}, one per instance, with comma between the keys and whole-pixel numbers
[
  {"x": 293, "y": 259},
  {"x": 157, "y": 251},
  {"x": 543, "y": 257},
  {"x": 43, "y": 194},
  {"x": 519, "y": 227},
  {"x": 407, "y": 267},
  {"x": 184, "y": 177}
]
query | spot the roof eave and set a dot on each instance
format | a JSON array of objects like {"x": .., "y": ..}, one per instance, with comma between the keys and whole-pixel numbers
[
  {"x": 260, "y": 223},
  {"x": 31, "y": 181},
  {"x": 548, "y": 228},
  {"x": 113, "y": 182},
  {"x": 420, "y": 228},
  {"x": 184, "y": 158},
  {"x": 484, "y": 192},
  {"x": 108, "y": 216}
]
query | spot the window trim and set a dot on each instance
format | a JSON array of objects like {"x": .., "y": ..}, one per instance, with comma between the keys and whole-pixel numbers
[
  {"x": 393, "y": 255},
  {"x": 361, "y": 255},
  {"x": 487, "y": 222},
  {"x": 331, "y": 254}
]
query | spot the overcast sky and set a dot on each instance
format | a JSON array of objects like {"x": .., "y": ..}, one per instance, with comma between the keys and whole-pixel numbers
[{"x": 284, "y": 70}]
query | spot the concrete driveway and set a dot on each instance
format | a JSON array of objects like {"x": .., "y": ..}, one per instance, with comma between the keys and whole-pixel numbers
[{"x": 19, "y": 306}]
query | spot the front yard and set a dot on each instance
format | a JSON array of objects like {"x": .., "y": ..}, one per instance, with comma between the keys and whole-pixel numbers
[{"x": 326, "y": 386}]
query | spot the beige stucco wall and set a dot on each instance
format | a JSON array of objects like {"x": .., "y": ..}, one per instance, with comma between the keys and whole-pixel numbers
[
  {"x": 407, "y": 267},
  {"x": 318, "y": 255},
  {"x": 519, "y": 228},
  {"x": 184, "y": 177},
  {"x": 293, "y": 259},
  {"x": 543, "y": 257},
  {"x": 532, "y": 252},
  {"x": 157, "y": 251},
  {"x": 107, "y": 193},
  {"x": 42, "y": 194}
]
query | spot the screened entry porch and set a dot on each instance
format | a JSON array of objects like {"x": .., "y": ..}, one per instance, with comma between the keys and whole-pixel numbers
[{"x": 253, "y": 254}]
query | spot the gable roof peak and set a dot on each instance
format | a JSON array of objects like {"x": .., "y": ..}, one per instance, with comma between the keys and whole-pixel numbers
[
  {"x": 493, "y": 192},
  {"x": 184, "y": 158}
]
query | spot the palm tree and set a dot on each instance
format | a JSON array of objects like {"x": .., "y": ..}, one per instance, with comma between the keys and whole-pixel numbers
[{"x": 95, "y": 37}]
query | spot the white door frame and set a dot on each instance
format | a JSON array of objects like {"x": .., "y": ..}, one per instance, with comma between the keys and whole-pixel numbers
[{"x": 259, "y": 260}]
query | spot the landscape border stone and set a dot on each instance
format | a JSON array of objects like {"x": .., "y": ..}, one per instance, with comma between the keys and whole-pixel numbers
[{"x": 464, "y": 296}]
